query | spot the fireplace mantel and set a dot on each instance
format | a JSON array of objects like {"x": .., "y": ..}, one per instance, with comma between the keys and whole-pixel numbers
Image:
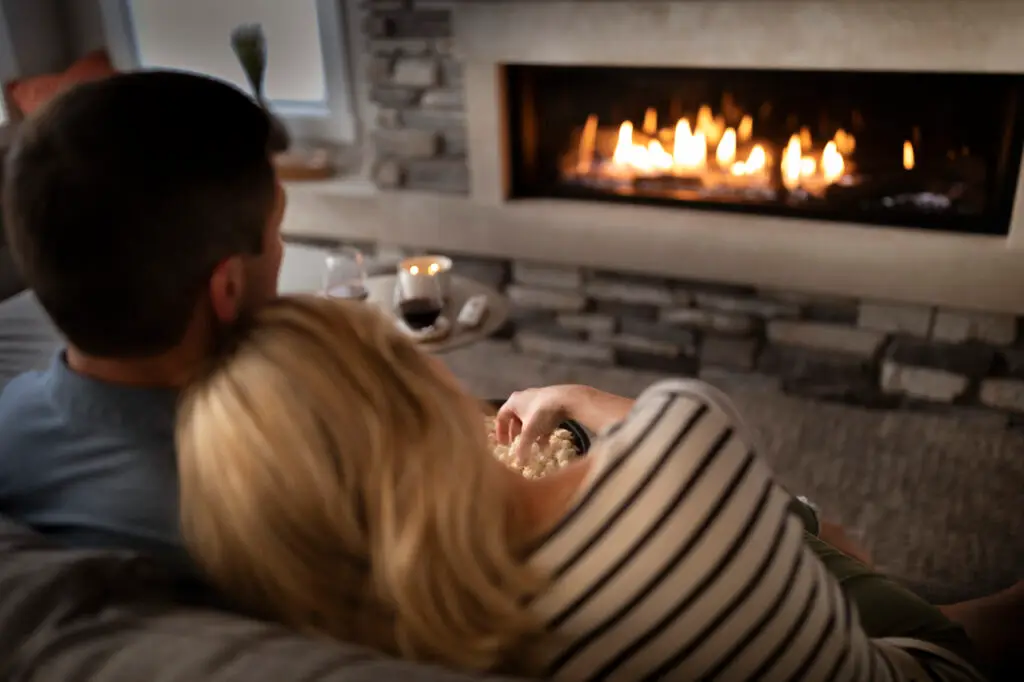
[{"x": 950, "y": 270}]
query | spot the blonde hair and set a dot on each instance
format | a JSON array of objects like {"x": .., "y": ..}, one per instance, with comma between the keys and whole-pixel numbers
[{"x": 335, "y": 477}]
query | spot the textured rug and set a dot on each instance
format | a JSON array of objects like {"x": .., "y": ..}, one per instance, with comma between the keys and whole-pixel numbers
[{"x": 937, "y": 498}]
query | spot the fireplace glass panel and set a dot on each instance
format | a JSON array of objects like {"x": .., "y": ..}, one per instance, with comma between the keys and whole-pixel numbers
[{"x": 925, "y": 150}]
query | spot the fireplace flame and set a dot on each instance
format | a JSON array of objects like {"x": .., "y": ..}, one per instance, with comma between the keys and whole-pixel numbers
[
  {"x": 624, "y": 147},
  {"x": 832, "y": 163},
  {"x": 740, "y": 159},
  {"x": 588, "y": 142},
  {"x": 690, "y": 150},
  {"x": 791, "y": 161},
  {"x": 845, "y": 142},
  {"x": 754, "y": 164},
  {"x": 745, "y": 129},
  {"x": 726, "y": 151},
  {"x": 712, "y": 126},
  {"x": 651, "y": 121},
  {"x": 806, "y": 141},
  {"x": 908, "y": 155}
]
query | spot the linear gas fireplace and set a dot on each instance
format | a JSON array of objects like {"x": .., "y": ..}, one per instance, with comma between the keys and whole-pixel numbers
[{"x": 939, "y": 151}]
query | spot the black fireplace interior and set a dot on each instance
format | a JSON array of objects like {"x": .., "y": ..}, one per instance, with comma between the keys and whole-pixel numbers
[{"x": 935, "y": 151}]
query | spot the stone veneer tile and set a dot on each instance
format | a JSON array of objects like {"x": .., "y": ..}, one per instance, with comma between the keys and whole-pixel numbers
[
  {"x": 454, "y": 143},
  {"x": 413, "y": 47},
  {"x": 593, "y": 324},
  {"x": 415, "y": 72},
  {"x": 971, "y": 360},
  {"x": 626, "y": 291},
  {"x": 802, "y": 299},
  {"x": 389, "y": 118},
  {"x": 537, "y": 344},
  {"x": 439, "y": 175},
  {"x": 559, "y": 300},
  {"x": 407, "y": 143},
  {"x": 922, "y": 382},
  {"x": 543, "y": 275},
  {"x": 961, "y": 325},
  {"x": 823, "y": 375},
  {"x": 642, "y": 344},
  {"x": 452, "y": 73},
  {"x": 749, "y": 306},
  {"x": 680, "y": 365},
  {"x": 388, "y": 174},
  {"x": 681, "y": 297},
  {"x": 729, "y": 352},
  {"x": 683, "y": 339},
  {"x": 728, "y": 380},
  {"x": 829, "y": 337},
  {"x": 723, "y": 323},
  {"x": 405, "y": 23},
  {"x": 394, "y": 97},
  {"x": 380, "y": 68},
  {"x": 547, "y": 327},
  {"x": 448, "y": 98},
  {"x": 1003, "y": 394},
  {"x": 492, "y": 272},
  {"x": 1010, "y": 362},
  {"x": 433, "y": 119},
  {"x": 902, "y": 319},
  {"x": 635, "y": 311}
]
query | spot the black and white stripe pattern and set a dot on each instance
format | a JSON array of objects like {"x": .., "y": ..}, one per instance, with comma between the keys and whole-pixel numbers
[{"x": 680, "y": 560}]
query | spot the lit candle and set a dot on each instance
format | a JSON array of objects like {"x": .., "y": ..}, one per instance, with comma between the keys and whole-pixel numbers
[{"x": 430, "y": 266}]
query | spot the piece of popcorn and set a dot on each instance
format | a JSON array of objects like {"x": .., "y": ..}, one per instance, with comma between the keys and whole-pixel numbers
[{"x": 542, "y": 459}]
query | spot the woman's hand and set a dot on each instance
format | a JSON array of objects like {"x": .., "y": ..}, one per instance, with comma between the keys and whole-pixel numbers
[
  {"x": 532, "y": 414},
  {"x": 535, "y": 413}
]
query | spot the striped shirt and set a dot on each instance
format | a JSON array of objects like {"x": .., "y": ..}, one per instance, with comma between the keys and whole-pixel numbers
[{"x": 679, "y": 560}]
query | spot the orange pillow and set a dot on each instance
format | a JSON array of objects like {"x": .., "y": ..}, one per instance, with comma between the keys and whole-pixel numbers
[{"x": 31, "y": 93}]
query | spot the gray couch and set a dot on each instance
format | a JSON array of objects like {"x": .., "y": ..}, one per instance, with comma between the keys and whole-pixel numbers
[
  {"x": 27, "y": 338},
  {"x": 90, "y": 616}
]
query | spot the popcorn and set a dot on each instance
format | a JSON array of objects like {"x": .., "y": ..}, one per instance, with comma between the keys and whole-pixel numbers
[{"x": 543, "y": 459}]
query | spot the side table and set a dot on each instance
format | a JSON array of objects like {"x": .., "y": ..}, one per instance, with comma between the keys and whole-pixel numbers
[
  {"x": 382, "y": 291},
  {"x": 302, "y": 273}
]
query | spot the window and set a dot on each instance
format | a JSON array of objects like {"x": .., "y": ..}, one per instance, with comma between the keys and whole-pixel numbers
[
  {"x": 8, "y": 67},
  {"x": 307, "y": 81}
]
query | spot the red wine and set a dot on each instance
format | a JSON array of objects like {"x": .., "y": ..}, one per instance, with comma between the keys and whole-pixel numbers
[
  {"x": 420, "y": 313},
  {"x": 355, "y": 292}
]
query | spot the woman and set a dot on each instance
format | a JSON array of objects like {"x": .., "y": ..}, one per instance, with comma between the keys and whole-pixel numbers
[{"x": 335, "y": 477}]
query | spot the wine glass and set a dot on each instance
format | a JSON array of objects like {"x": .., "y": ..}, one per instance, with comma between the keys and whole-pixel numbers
[
  {"x": 419, "y": 298},
  {"x": 345, "y": 274}
]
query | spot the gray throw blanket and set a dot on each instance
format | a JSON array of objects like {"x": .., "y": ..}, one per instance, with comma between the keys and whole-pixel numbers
[{"x": 91, "y": 616}]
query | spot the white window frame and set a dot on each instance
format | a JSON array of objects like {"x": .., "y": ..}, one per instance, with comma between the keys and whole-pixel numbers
[
  {"x": 333, "y": 120},
  {"x": 9, "y": 70}
]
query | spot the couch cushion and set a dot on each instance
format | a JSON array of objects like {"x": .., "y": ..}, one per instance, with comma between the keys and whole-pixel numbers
[
  {"x": 28, "y": 340},
  {"x": 10, "y": 277},
  {"x": 91, "y": 616}
]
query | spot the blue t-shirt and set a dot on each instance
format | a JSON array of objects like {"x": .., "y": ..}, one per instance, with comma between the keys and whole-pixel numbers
[{"x": 91, "y": 464}]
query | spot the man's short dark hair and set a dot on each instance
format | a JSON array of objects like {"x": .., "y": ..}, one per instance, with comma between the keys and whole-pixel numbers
[{"x": 122, "y": 195}]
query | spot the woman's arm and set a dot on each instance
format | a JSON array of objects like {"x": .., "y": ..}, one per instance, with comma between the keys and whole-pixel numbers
[
  {"x": 596, "y": 410},
  {"x": 682, "y": 561},
  {"x": 536, "y": 412},
  {"x": 810, "y": 630}
]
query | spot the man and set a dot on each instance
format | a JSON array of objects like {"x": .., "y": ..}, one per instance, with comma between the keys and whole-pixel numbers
[{"x": 144, "y": 213}]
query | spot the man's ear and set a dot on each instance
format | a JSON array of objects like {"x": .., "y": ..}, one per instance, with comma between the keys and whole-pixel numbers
[{"x": 227, "y": 289}]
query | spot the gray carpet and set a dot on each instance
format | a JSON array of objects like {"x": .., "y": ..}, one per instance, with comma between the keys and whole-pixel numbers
[{"x": 937, "y": 498}]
